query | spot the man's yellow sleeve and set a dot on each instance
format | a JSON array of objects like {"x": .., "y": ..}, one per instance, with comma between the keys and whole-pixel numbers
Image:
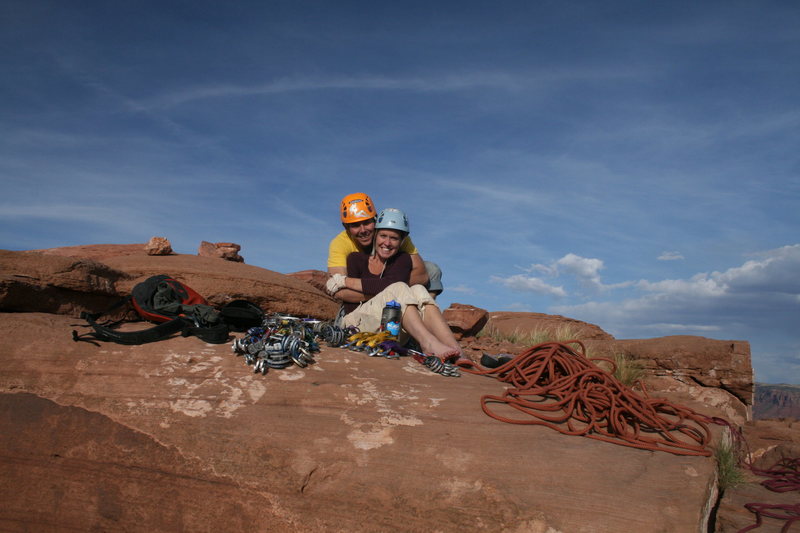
[
  {"x": 408, "y": 247},
  {"x": 341, "y": 246}
]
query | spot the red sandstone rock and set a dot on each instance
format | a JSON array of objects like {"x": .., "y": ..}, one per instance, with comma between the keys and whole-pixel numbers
[
  {"x": 31, "y": 281},
  {"x": 158, "y": 246},
  {"x": 223, "y": 250},
  {"x": 97, "y": 252},
  {"x": 695, "y": 361},
  {"x": 56, "y": 282},
  {"x": 465, "y": 320},
  {"x": 317, "y": 278},
  {"x": 100, "y": 437},
  {"x": 768, "y": 441},
  {"x": 182, "y": 435},
  {"x": 519, "y": 322}
]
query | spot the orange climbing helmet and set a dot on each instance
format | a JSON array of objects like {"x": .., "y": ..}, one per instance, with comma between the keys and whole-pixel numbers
[{"x": 357, "y": 207}]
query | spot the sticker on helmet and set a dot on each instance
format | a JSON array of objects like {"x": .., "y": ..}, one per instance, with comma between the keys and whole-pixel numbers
[{"x": 356, "y": 212}]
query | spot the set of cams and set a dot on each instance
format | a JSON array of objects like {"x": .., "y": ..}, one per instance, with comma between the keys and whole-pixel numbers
[{"x": 282, "y": 341}]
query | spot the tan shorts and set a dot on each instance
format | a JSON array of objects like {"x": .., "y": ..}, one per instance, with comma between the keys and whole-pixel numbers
[{"x": 367, "y": 316}]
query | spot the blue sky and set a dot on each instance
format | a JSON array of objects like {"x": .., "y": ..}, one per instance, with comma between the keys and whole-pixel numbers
[{"x": 632, "y": 164}]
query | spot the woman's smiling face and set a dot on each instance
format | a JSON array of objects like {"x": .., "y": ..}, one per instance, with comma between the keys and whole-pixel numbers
[{"x": 387, "y": 243}]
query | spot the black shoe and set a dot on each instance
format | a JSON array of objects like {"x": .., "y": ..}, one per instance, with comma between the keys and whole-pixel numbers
[{"x": 493, "y": 361}]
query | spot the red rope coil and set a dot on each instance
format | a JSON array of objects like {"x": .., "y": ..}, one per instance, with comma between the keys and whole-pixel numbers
[{"x": 558, "y": 387}]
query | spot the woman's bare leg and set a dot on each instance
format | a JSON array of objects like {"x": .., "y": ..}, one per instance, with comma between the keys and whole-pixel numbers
[
  {"x": 436, "y": 324},
  {"x": 430, "y": 344}
]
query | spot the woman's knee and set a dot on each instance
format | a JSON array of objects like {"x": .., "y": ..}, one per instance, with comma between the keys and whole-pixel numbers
[{"x": 422, "y": 295}]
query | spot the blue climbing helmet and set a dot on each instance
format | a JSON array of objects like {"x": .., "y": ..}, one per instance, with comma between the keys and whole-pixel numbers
[{"x": 391, "y": 218}]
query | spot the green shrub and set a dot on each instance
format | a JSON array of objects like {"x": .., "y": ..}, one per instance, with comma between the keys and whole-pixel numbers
[{"x": 726, "y": 455}]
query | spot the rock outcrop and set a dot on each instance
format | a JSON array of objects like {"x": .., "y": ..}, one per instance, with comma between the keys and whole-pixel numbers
[
  {"x": 75, "y": 279},
  {"x": 158, "y": 246},
  {"x": 511, "y": 323},
  {"x": 181, "y": 435},
  {"x": 316, "y": 278},
  {"x": 33, "y": 282},
  {"x": 706, "y": 370},
  {"x": 465, "y": 320},
  {"x": 222, "y": 250}
]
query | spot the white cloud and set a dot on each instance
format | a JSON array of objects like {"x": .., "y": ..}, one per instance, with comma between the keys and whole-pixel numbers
[
  {"x": 462, "y": 289},
  {"x": 519, "y": 282},
  {"x": 761, "y": 295},
  {"x": 585, "y": 270},
  {"x": 775, "y": 273},
  {"x": 670, "y": 256}
]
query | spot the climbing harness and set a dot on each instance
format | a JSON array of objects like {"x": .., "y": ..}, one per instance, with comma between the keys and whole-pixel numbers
[{"x": 554, "y": 384}]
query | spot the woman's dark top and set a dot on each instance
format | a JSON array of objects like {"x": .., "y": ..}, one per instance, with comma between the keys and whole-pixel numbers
[{"x": 398, "y": 268}]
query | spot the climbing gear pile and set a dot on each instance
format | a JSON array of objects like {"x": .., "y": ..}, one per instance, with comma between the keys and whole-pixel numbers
[
  {"x": 281, "y": 341},
  {"x": 560, "y": 388},
  {"x": 384, "y": 344}
]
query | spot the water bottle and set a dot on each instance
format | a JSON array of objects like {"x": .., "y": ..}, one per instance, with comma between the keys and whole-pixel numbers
[{"x": 391, "y": 317}]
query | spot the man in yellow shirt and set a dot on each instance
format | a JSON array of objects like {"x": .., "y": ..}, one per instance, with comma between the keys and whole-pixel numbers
[{"x": 358, "y": 218}]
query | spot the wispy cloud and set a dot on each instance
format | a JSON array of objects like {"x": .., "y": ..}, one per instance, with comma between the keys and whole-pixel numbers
[
  {"x": 503, "y": 80},
  {"x": 518, "y": 282},
  {"x": 372, "y": 83},
  {"x": 670, "y": 256},
  {"x": 462, "y": 289}
]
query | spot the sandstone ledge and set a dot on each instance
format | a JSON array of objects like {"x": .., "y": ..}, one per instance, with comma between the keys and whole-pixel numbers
[{"x": 177, "y": 433}]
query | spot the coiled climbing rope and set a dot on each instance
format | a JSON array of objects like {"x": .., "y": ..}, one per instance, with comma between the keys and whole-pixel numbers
[{"x": 559, "y": 387}]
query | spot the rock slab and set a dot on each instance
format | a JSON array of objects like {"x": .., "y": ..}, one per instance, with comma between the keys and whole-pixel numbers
[{"x": 182, "y": 435}]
